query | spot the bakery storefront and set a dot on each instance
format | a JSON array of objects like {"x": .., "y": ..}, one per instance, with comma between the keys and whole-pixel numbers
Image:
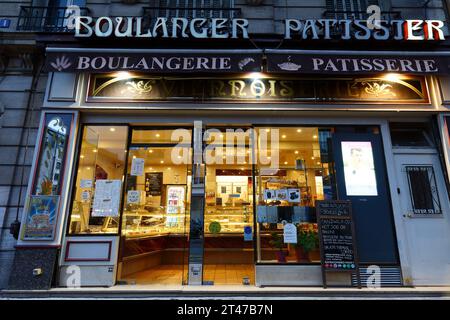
[{"x": 183, "y": 167}]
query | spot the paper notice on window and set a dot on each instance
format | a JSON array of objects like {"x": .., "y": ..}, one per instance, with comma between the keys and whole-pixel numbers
[
  {"x": 290, "y": 233},
  {"x": 137, "y": 167},
  {"x": 133, "y": 197},
  {"x": 106, "y": 198},
  {"x": 294, "y": 195},
  {"x": 85, "y": 183}
]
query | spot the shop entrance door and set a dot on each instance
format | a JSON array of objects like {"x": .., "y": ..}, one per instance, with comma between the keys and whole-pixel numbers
[
  {"x": 228, "y": 213},
  {"x": 362, "y": 179},
  {"x": 426, "y": 210},
  {"x": 155, "y": 223}
]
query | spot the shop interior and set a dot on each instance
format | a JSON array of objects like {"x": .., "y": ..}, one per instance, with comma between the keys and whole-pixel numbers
[{"x": 247, "y": 201}]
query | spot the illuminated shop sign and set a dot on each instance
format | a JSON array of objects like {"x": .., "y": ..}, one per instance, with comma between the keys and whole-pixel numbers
[
  {"x": 419, "y": 30},
  {"x": 342, "y": 63},
  {"x": 223, "y": 28},
  {"x": 117, "y": 87},
  {"x": 154, "y": 62}
]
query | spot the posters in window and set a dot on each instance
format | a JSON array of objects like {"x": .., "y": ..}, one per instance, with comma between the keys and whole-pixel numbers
[
  {"x": 294, "y": 195},
  {"x": 359, "y": 168},
  {"x": 40, "y": 218},
  {"x": 137, "y": 167},
  {"x": 153, "y": 183},
  {"x": 282, "y": 194},
  {"x": 106, "y": 198},
  {"x": 270, "y": 195}
]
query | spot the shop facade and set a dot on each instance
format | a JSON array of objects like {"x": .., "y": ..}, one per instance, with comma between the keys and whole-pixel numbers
[
  {"x": 184, "y": 166},
  {"x": 173, "y": 217}
]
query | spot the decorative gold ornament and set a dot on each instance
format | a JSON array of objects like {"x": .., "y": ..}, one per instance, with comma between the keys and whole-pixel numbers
[
  {"x": 140, "y": 87},
  {"x": 378, "y": 89}
]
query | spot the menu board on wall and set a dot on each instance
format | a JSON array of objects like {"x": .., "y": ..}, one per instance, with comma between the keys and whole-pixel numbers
[
  {"x": 106, "y": 198},
  {"x": 153, "y": 183},
  {"x": 337, "y": 237}
]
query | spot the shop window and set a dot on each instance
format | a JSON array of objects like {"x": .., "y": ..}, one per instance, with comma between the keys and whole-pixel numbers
[
  {"x": 41, "y": 212},
  {"x": 98, "y": 188},
  {"x": 411, "y": 135},
  {"x": 287, "y": 192}
]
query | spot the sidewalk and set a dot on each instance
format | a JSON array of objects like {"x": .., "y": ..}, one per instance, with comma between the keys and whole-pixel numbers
[{"x": 229, "y": 292}]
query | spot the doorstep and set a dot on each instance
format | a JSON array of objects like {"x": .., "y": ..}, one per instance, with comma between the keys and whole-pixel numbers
[{"x": 228, "y": 291}]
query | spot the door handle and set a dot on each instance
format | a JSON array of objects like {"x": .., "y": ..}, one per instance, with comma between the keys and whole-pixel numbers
[{"x": 407, "y": 215}]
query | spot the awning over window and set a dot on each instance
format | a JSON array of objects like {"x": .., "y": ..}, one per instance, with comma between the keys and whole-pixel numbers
[
  {"x": 152, "y": 60},
  {"x": 357, "y": 62}
]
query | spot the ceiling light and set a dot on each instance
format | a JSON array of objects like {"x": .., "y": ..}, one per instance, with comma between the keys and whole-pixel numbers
[
  {"x": 296, "y": 151},
  {"x": 299, "y": 130},
  {"x": 162, "y": 161},
  {"x": 314, "y": 137},
  {"x": 82, "y": 156},
  {"x": 312, "y": 158},
  {"x": 151, "y": 151},
  {"x": 283, "y": 136},
  {"x": 267, "y": 130},
  {"x": 157, "y": 135},
  {"x": 285, "y": 162},
  {"x": 112, "y": 129},
  {"x": 393, "y": 77}
]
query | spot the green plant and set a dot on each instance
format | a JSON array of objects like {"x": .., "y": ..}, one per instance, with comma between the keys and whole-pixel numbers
[
  {"x": 276, "y": 241},
  {"x": 309, "y": 240}
]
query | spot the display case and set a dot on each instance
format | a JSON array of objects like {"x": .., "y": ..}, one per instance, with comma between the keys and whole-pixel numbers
[{"x": 231, "y": 219}]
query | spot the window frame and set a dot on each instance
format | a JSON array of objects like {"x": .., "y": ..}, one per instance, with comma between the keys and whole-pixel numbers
[{"x": 74, "y": 177}]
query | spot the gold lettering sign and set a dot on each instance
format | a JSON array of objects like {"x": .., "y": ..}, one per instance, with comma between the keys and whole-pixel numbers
[{"x": 151, "y": 88}]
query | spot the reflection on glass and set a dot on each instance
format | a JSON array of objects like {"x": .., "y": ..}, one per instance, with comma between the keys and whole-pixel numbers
[{"x": 98, "y": 191}]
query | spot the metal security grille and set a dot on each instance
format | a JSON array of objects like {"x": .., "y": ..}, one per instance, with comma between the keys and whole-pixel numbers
[
  {"x": 195, "y": 8},
  {"x": 389, "y": 277}
]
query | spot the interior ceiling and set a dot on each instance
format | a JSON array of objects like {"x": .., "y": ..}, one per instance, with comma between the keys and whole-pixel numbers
[{"x": 294, "y": 143}]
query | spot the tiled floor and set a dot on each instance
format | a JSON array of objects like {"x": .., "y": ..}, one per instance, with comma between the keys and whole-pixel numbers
[{"x": 220, "y": 274}]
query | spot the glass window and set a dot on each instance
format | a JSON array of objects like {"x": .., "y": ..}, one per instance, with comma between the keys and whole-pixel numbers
[
  {"x": 293, "y": 171},
  {"x": 423, "y": 190},
  {"x": 411, "y": 135},
  {"x": 98, "y": 189},
  {"x": 157, "y": 198}
]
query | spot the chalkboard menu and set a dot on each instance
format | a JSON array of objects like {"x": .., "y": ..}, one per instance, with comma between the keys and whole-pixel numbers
[
  {"x": 337, "y": 237},
  {"x": 153, "y": 183}
]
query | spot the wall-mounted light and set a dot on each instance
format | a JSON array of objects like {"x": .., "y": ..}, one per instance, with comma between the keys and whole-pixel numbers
[{"x": 393, "y": 77}]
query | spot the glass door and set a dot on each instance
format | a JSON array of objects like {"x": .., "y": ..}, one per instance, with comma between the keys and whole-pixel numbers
[
  {"x": 155, "y": 221},
  {"x": 228, "y": 214}
]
